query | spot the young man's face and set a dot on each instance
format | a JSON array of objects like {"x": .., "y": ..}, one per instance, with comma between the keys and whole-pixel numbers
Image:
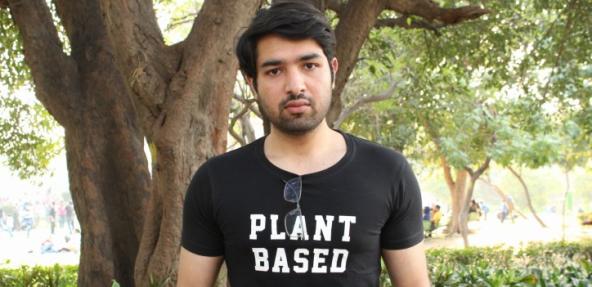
[{"x": 293, "y": 83}]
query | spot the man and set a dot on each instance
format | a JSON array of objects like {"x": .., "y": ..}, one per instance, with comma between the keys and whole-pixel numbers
[
  {"x": 436, "y": 217},
  {"x": 305, "y": 205}
]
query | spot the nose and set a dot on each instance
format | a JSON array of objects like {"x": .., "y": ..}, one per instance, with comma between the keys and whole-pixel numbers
[{"x": 294, "y": 82}]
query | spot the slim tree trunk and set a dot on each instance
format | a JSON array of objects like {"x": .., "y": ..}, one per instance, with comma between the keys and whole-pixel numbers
[
  {"x": 464, "y": 213},
  {"x": 527, "y": 194},
  {"x": 458, "y": 195},
  {"x": 505, "y": 198},
  {"x": 564, "y": 205},
  {"x": 456, "y": 187}
]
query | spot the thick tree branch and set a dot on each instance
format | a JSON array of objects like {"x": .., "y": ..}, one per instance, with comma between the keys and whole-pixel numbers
[
  {"x": 364, "y": 100},
  {"x": 403, "y": 22},
  {"x": 430, "y": 11},
  {"x": 235, "y": 118},
  {"x": 527, "y": 194},
  {"x": 355, "y": 22},
  {"x": 447, "y": 173},
  {"x": 480, "y": 170},
  {"x": 141, "y": 53},
  {"x": 335, "y": 5},
  {"x": 54, "y": 73}
]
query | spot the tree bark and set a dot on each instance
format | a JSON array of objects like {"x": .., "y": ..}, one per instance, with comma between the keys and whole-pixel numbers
[
  {"x": 564, "y": 205},
  {"x": 192, "y": 127},
  {"x": 457, "y": 189},
  {"x": 527, "y": 194},
  {"x": 109, "y": 193},
  {"x": 355, "y": 22},
  {"x": 119, "y": 85},
  {"x": 466, "y": 203}
]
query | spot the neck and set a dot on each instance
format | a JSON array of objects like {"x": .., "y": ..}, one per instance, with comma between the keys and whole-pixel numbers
[
  {"x": 305, "y": 153},
  {"x": 299, "y": 144}
]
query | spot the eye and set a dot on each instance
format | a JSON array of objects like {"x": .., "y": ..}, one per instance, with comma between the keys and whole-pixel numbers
[
  {"x": 310, "y": 66},
  {"x": 273, "y": 72}
]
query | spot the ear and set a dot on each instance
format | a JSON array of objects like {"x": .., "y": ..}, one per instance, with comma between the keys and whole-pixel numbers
[
  {"x": 335, "y": 66},
  {"x": 251, "y": 84}
]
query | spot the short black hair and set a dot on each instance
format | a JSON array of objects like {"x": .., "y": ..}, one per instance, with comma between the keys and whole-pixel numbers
[{"x": 292, "y": 20}]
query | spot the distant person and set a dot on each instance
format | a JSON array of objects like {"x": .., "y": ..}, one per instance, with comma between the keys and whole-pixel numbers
[
  {"x": 504, "y": 211},
  {"x": 427, "y": 220},
  {"x": 62, "y": 214},
  {"x": 27, "y": 218},
  {"x": 436, "y": 217},
  {"x": 474, "y": 211},
  {"x": 6, "y": 222},
  {"x": 484, "y": 209},
  {"x": 70, "y": 217},
  {"x": 51, "y": 216}
]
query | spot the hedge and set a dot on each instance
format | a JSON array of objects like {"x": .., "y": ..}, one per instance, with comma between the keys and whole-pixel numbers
[{"x": 537, "y": 264}]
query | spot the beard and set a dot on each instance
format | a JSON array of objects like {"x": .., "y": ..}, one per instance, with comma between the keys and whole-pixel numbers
[{"x": 294, "y": 124}]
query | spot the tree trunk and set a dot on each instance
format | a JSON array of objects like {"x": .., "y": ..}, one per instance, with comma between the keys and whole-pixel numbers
[
  {"x": 457, "y": 191},
  {"x": 464, "y": 213},
  {"x": 355, "y": 22},
  {"x": 564, "y": 205},
  {"x": 505, "y": 198},
  {"x": 527, "y": 194},
  {"x": 93, "y": 104},
  {"x": 458, "y": 195},
  {"x": 193, "y": 128},
  {"x": 119, "y": 85}
]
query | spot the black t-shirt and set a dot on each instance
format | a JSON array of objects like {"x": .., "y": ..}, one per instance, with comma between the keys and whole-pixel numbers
[{"x": 368, "y": 201}]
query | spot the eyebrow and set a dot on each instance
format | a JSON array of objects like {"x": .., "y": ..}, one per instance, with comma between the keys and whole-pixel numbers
[{"x": 303, "y": 58}]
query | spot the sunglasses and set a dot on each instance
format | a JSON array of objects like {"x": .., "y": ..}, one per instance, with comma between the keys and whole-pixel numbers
[{"x": 292, "y": 193}]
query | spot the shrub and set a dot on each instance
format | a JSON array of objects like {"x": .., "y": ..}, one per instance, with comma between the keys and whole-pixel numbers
[
  {"x": 46, "y": 276},
  {"x": 537, "y": 264}
]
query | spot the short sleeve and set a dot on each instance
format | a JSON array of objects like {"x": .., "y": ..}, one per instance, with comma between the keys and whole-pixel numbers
[
  {"x": 200, "y": 233},
  {"x": 404, "y": 227}
]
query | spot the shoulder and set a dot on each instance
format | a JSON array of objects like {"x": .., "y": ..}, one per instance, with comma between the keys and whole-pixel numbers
[
  {"x": 234, "y": 159},
  {"x": 373, "y": 154}
]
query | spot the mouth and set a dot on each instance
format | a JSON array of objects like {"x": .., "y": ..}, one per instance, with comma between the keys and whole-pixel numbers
[{"x": 297, "y": 106}]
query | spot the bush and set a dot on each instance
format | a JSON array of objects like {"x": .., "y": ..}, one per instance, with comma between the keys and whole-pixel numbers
[
  {"x": 548, "y": 264},
  {"x": 46, "y": 276}
]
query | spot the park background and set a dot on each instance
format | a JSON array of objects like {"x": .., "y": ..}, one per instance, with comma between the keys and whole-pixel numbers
[{"x": 469, "y": 91}]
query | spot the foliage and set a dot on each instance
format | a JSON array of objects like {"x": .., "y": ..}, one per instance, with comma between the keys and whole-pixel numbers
[
  {"x": 503, "y": 86},
  {"x": 538, "y": 264},
  {"x": 46, "y": 276},
  {"x": 28, "y": 140},
  {"x": 14, "y": 72},
  {"x": 27, "y": 131}
]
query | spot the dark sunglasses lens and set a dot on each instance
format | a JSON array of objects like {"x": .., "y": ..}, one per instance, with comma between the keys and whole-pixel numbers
[
  {"x": 291, "y": 220},
  {"x": 292, "y": 189}
]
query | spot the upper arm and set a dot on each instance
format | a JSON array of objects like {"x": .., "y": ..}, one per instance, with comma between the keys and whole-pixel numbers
[
  {"x": 196, "y": 270},
  {"x": 407, "y": 267}
]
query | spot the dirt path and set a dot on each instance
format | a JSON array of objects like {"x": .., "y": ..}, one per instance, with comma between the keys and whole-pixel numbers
[{"x": 515, "y": 234}]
